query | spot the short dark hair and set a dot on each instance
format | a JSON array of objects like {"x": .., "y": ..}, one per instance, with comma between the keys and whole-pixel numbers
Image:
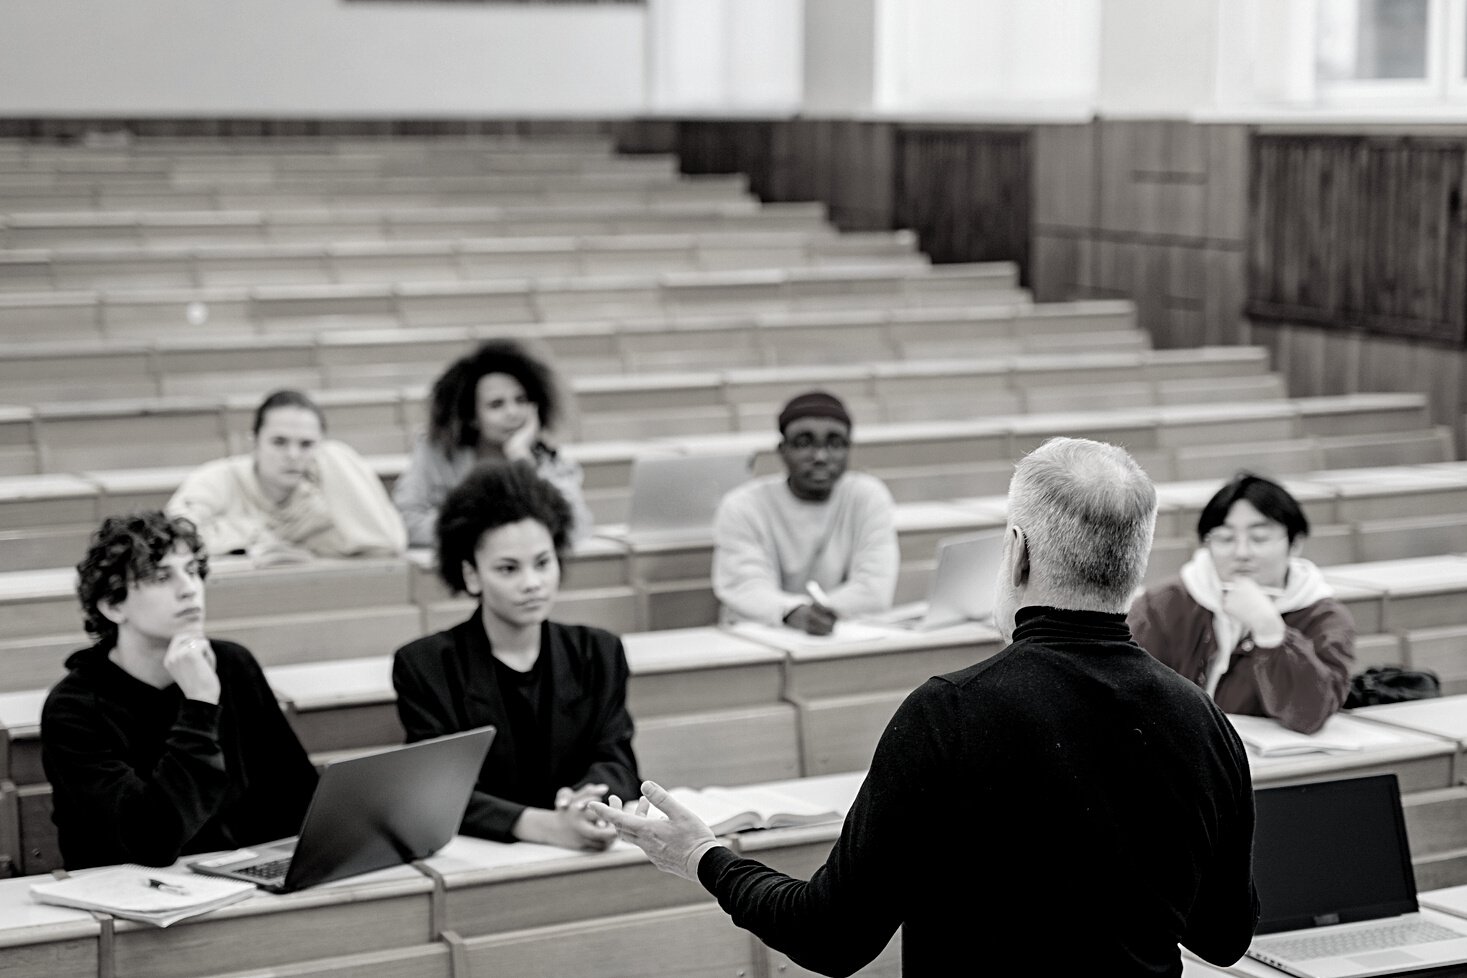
[
  {"x": 1266, "y": 496},
  {"x": 492, "y": 495},
  {"x": 123, "y": 551},
  {"x": 452, "y": 405},
  {"x": 286, "y": 398}
]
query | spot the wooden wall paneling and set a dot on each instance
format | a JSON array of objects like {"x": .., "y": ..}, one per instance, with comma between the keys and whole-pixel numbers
[
  {"x": 966, "y": 192},
  {"x": 1360, "y": 231},
  {"x": 1056, "y": 274},
  {"x": 1064, "y": 176},
  {"x": 1224, "y": 293},
  {"x": 1117, "y": 268},
  {"x": 1152, "y": 274},
  {"x": 1227, "y": 181}
]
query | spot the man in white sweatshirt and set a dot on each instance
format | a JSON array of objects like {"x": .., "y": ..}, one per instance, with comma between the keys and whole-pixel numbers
[{"x": 818, "y": 525}]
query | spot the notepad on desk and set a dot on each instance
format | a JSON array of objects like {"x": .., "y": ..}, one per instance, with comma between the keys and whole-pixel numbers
[
  {"x": 153, "y": 896},
  {"x": 783, "y": 637},
  {"x": 726, "y": 810},
  {"x": 1266, "y": 737}
]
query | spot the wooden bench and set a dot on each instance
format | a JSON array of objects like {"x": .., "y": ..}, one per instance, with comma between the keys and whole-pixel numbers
[{"x": 444, "y": 259}]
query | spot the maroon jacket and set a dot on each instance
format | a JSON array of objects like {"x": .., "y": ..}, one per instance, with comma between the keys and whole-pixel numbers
[{"x": 1301, "y": 683}]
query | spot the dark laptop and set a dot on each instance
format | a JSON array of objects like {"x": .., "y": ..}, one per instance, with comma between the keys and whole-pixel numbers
[
  {"x": 369, "y": 812},
  {"x": 1333, "y": 871}
]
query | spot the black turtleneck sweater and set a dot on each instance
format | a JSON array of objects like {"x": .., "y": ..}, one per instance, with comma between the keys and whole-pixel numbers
[
  {"x": 142, "y": 775},
  {"x": 1067, "y": 806}
]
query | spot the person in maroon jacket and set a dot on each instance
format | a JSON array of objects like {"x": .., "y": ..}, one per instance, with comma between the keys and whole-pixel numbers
[{"x": 1250, "y": 620}]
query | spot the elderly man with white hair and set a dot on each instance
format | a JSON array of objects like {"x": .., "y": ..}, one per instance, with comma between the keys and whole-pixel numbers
[{"x": 1068, "y": 806}]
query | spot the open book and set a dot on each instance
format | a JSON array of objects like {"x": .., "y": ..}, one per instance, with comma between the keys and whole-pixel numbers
[
  {"x": 153, "y": 896},
  {"x": 738, "y": 809},
  {"x": 1266, "y": 737}
]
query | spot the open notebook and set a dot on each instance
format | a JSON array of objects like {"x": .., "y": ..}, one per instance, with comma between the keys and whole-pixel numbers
[
  {"x": 727, "y": 810},
  {"x": 153, "y": 896}
]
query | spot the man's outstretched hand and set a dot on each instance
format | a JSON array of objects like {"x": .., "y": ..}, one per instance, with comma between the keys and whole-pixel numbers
[{"x": 675, "y": 844}]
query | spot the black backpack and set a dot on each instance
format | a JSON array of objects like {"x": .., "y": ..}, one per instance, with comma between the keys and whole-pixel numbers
[{"x": 1390, "y": 684}]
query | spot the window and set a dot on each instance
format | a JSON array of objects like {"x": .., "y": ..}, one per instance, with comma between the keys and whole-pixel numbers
[{"x": 1396, "y": 51}]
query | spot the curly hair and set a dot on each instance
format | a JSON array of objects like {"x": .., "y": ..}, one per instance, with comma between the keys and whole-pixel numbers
[
  {"x": 453, "y": 404},
  {"x": 123, "y": 551},
  {"x": 492, "y": 495}
]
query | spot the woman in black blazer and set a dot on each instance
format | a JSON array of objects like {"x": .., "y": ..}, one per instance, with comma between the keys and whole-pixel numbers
[{"x": 556, "y": 693}]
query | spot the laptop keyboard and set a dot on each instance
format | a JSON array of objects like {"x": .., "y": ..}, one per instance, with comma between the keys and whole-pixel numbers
[
  {"x": 271, "y": 872},
  {"x": 1378, "y": 937}
]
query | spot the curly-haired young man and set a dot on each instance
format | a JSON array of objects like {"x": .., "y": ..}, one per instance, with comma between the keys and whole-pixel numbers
[{"x": 160, "y": 741}]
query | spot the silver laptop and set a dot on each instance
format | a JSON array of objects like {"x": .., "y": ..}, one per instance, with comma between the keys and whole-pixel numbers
[
  {"x": 963, "y": 585},
  {"x": 1334, "y": 878},
  {"x": 679, "y": 494},
  {"x": 369, "y": 812}
]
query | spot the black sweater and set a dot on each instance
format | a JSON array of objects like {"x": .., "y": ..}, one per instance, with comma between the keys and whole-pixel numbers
[
  {"x": 140, "y": 774},
  {"x": 1068, "y": 806}
]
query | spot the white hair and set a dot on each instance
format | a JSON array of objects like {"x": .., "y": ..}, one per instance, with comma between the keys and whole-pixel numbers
[{"x": 1088, "y": 513}]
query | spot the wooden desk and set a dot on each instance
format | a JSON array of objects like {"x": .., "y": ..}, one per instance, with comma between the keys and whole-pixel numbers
[
  {"x": 1436, "y": 821},
  {"x": 696, "y": 670},
  {"x": 388, "y": 910},
  {"x": 846, "y": 691},
  {"x": 36, "y": 939},
  {"x": 1421, "y": 761},
  {"x": 20, "y": 733},
  {"x": 339, "y": 705},
  {"x": 1444, "y": 717},
  {"x": 1421, "y": 592}
]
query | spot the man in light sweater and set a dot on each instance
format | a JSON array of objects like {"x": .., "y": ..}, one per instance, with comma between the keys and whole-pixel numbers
[{"x": 775, "y": 536}]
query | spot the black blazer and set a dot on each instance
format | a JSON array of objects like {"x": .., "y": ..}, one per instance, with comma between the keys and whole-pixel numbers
[{"x": 445, "y": 683}]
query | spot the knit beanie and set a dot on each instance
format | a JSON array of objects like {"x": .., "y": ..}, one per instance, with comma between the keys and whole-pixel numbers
[{"x": 813, "y": 404}]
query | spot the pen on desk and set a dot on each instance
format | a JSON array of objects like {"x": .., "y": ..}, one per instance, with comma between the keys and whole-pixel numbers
[
  {"x": 817, "y": 594},
  {"x": 165, "y": 886}
]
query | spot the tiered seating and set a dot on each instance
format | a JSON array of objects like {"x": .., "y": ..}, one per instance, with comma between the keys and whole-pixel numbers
[{"x": 138, "y": 330}]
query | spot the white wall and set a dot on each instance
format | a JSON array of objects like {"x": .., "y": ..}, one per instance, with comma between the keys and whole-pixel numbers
[
  {"x": 983, "y": 55},
  {"x": 840, "y": 56},
  {"x": 1158, "y": 59},
  {"x": 725, "y": 56},
  {"x": 315, "y": 58}
]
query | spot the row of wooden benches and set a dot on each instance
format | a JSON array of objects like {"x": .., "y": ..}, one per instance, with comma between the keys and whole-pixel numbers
[
  {"x": 444, "y": 259},
  {"x": 100, "y": 461},
  {"x": 97, "y": 431},
  {"x": 398, "y": 220},
  {"x": 711, "y": 708},
  {"x": 825, "y": 340},
  {"x": 1388, "y": 540},
  {"x": 245, "y": 310}
]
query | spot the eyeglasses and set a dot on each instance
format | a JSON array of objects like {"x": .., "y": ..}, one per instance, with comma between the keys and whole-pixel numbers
[
  {"x": 806, "y": 444},
  {"x": 1257, "y": 537}
]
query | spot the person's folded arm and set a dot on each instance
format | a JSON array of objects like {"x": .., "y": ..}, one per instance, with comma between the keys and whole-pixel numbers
[
  {"x": 150, "y": 814},
  {"x": 1304, "y": 680},
  {"x": 745, "y": 578},
  {"x": 875, "y": 558},
  {"x": 364, "y": 520},
  {"x": 207, "y": 497}
]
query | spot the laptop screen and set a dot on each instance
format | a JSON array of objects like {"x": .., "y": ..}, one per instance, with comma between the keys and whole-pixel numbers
[
  {"x": 1332, "y": 852},
  {"x": 681, "y": 492}
]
